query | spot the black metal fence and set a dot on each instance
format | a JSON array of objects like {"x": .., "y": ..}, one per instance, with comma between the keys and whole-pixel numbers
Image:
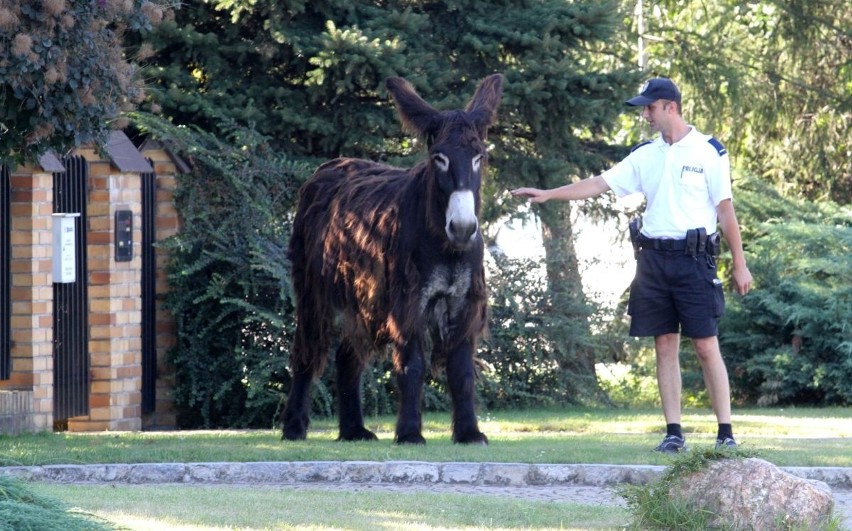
[
  {"x": 149, "y": 291},
  {"x": 71, "y": 302},
  {"x": 5, "y": 273}
]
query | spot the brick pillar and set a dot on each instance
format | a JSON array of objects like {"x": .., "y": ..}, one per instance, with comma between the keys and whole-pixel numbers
[
  {"x": 115, "y": 309},
  {"x": 167, "y": 225},
  {"x": 31, "y": 380}
]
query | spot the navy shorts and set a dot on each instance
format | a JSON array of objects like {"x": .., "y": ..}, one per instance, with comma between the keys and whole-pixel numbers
[{"x": 675, "y": 293}]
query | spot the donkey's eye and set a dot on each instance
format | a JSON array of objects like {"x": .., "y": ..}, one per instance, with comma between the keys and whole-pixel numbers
[
  {"x": 477, "y": 161},
  {"x": 441, "y": 161}
]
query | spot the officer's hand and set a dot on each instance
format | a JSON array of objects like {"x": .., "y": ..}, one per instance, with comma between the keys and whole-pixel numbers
[
  {"x": 533, "y": 194},
  {"x": 742, "y": 279}
]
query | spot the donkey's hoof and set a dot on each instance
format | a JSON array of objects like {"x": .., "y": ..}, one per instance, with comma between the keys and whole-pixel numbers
[
  {"x": 360, "y": 434},
  {"x": 293, "y": 436},
  {"x": 412, "y": 438},
  {"x": 295, "y": 431},
  {"x": 476, "y": 437}
]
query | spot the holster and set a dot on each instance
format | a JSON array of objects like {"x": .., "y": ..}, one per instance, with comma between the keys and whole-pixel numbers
[
  {"x": 635, "y": 227},
  {"x": 714, "y": 244}
]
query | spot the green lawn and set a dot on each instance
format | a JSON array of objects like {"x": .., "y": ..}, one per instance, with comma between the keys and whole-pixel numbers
[
  {"x": 184, "y": 508},
  {"x": 786, "y": 437}
]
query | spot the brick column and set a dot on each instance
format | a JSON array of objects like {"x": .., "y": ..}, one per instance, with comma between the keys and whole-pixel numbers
[
  {"x": 115, "y": 310},
  {"x": 166, "y": 224},
  {"x": 31, "y": 380}
]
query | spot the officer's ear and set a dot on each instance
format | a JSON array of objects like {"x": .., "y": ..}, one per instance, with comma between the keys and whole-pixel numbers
[{"x": 673, "y": 104}]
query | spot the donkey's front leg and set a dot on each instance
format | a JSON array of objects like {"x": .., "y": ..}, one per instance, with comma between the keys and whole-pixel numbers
[
  {"x": 410, "y": 367},
  {"x": 460, "y": 379}
]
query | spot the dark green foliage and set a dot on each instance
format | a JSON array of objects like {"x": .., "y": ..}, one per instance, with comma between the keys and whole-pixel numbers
[
  {"x": 523, "y": 367},
  {"x": 64, "y": 76},
  {"x": 21, "y": 509},
  {"x": 790, "y": 340},
  {"x": 229, "y": 276},
  {"x": 310, "y": 75}
]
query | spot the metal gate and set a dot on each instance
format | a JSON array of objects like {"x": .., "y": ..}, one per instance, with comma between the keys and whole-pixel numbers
[
  {"x": 5, "y": 274},
  {"x": 71, "y": 302},
  {"x": 149, "y": 291}
]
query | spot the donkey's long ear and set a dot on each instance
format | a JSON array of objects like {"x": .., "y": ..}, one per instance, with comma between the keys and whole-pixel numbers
[
  {"x": 482, "y": 108},
  {"x": 416, "y": 115}
]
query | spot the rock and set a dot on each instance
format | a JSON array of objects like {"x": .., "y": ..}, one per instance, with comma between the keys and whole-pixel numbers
[{"x": 756, "y": 495}]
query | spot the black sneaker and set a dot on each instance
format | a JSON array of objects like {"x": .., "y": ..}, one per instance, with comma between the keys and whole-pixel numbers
[
  {"x": 672, "y": 444},
  {"x": 728, "y": 443}
]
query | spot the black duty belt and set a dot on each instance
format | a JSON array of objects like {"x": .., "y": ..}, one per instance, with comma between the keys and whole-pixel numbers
[
  {"x": 662, "y": 244},
  {"x": 697, "y": 242}
]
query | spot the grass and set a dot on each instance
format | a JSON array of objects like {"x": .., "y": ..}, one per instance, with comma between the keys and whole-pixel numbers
[
  {"x": 786, "y": 437},
  {"x": 183, "y": 507}
]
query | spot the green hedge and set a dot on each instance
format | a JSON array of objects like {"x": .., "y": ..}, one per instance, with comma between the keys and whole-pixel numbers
[
  {"x": 229, "y": 277},
  {"x": 789, "y": 341}
]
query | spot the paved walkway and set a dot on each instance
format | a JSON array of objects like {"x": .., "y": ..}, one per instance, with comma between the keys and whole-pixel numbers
[{"x": 582, "y": 484}]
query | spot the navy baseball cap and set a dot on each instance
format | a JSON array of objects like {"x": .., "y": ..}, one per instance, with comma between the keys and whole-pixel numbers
[{"x": 657, "y": 88}]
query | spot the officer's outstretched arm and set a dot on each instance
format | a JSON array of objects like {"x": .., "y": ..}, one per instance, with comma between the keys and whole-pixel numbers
[{"x": 583, "y": 189}]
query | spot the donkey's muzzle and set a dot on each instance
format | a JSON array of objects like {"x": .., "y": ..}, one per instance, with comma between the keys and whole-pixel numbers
[
  {"x": 461, "y": 219},
  {"x": 462, "y": 234}
]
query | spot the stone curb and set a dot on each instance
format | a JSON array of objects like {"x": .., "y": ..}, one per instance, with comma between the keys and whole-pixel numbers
[{"x": 387, "y": 472}]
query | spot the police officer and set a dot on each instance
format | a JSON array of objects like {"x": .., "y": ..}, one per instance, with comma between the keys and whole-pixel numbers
[{"x": 685, "y": 177}]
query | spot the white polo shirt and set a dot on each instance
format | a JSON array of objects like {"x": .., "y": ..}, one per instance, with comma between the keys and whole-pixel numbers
[{"x": 682, "y": 182}]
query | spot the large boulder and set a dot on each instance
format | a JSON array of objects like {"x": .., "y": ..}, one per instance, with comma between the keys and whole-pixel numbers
[{"x": 756, "y": 495}]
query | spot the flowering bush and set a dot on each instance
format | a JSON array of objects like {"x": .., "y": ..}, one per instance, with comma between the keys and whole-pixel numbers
[{"x": 64, "y": 75}]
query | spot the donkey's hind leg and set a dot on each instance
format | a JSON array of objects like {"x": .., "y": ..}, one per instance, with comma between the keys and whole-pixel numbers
[
  {"x": 351, "y": 417},
  {"x": 296, "y": 415}
]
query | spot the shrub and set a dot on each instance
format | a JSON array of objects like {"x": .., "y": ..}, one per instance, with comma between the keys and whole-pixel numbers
[
  {"x": 789, "y": 341},
  {"x": 229, "y": 276},
  {"x": 20, "y": 508},
  {"x": 629, "y": 385},
  {"x": 523, "y": 368}
]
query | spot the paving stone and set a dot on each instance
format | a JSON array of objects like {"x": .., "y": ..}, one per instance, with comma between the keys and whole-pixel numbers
[{"x": 461, "y": 473}]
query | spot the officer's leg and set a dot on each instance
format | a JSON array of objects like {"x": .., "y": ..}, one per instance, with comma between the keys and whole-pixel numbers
[
  {"x": 715, "y": 376},
  {"x": 668, "y": 375}
]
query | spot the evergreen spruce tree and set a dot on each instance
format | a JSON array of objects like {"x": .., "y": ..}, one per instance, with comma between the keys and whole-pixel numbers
[{"x": 309, "y": 77}]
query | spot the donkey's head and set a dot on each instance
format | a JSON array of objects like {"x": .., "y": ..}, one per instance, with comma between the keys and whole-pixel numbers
[{"x": 456, "y": 142}]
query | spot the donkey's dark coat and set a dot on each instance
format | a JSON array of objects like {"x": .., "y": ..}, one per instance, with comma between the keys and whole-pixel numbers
[{"x": 390, "y": 256}]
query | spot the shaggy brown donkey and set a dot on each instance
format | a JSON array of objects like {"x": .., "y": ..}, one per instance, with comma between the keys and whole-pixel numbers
[{"x": 389, "y": 256}]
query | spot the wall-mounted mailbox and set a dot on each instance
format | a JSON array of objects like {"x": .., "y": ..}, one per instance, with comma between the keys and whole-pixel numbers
[
  {"x": 65, "y": 248},
  {"x": 123, "y": 235}
]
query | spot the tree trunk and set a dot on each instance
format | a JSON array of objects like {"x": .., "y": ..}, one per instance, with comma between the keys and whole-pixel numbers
[{"x": 569, "y": 331}]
